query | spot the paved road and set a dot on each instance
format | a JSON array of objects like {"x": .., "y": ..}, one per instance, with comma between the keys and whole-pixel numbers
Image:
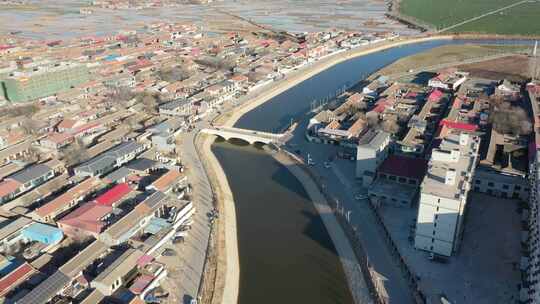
[
  {"x": 340, "y": 183},
  {"x": 193, "y": 254}
]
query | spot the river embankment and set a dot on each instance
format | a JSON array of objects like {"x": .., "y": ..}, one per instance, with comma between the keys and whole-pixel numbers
[
  {"x": 228, "y": 272},
  {"x": 229, "y": 266}
]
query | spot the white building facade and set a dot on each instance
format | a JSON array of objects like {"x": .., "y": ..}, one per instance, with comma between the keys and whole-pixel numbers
[
  {"x": 444, "y": 193},
  {"x": 372, "y": 150}
]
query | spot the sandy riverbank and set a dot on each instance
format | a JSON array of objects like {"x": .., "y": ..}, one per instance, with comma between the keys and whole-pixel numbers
[
  {"x": 228, "y": 262},
  {"x": 228, "y": 273}
]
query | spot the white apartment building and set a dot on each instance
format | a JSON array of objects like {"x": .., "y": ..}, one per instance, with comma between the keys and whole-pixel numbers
[
  {"x": 444, "y": 192},
  {"x": 372, "y": 150}
]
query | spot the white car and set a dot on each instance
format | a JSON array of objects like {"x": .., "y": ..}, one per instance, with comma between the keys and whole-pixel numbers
[{"x": 327, "y": 165}]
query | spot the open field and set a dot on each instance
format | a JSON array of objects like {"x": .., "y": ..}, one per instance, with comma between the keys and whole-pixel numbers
[
  {"x": 514, "y": 68},
  {"x": 447, "y": 54},
  {"x": 518, "y": 20}
]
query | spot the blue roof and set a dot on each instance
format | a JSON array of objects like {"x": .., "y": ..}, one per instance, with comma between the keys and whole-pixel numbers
[
  {"x": 155, "y": 225},
  {"x": 111, "y": 57},
  {"x": 39, "y": 229}
]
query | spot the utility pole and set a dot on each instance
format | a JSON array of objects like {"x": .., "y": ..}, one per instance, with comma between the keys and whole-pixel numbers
[{"x": 535, "y": 62}]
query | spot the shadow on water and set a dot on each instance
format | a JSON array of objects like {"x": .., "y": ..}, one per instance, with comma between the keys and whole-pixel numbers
[{"x": 286, "y": 254}]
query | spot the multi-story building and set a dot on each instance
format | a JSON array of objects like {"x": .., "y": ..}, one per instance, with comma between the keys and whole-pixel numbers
[
  {"x": 444, "y": 193},
  {"x": 42, "y": 82},
  {"x": 530, "y": 292},
  {"x": 372, "y": 150}
]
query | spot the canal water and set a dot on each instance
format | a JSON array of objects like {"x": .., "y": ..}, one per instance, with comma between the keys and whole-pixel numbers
[{"x": 286, "y": 254}]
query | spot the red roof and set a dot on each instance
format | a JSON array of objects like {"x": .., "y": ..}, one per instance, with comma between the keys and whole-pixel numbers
[
  {"x": 8, "y": 186},
  {"x": 435, "y": 95},
  {"x": 459, "y": 125},
  {"x": 403, "y": 166},
  {"x": 113, "y": 195},
  {"x": 87, "y": 217},
  {"x": 380, "y": 106},
  {"x": 140, "y": 284},
  {"x": 15, "y": 277}
]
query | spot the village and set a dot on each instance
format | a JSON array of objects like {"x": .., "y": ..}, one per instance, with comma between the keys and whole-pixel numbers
[
  {"x": 435, "y": 154},
  {"x": 95, "y": 197}
]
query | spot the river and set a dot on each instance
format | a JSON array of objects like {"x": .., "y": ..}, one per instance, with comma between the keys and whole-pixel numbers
[{"x": 286, "y": 254}]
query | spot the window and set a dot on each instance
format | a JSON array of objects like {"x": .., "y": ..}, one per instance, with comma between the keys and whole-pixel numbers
[
  {"x": 412, "y": 182},
  {"x": 505, "y": 187},
  {"x": 476, "y": 189},
  {"x": 402, "y": 180},
  {"x": 490, "y": 184},
  {"x": 393, "y": 178},
  {"x": 478, "y": 182},
  {"x": 517, "y": 188}
]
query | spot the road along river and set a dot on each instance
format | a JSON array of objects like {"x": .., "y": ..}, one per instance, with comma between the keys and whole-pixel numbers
[{"x": 285, "y": 252}]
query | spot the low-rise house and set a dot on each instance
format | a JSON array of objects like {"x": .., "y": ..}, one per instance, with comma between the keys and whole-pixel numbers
[
  {"x": 398, "y": 180},
  {"x": 168, "y": 181},
  {"x": 135, "y": 220},
  {"x": 114, "y": 196},
  {"x": 500, "y": 184},
  {"x": 56, "y": 140},
  {"x": 88, "y": 220},
  {"x": 121, "y": 271},
  {"x": 113, "y": 158},
  {"x": 54, "y": 209},
  {"x": 10, "y": 232},
  {"x": 25, "y": 180},
  {"x": 508, "y": 90},
  {"x": 164, "y": 135},
  {"x": 16, "y": 151},
  {"x": 13, "y": 272},
  {"x": 38, "y": 232},
  {"x": 181, "y": 107},
  {"x": 448, "y": 79},
  {"x": 65, "y": 275}
]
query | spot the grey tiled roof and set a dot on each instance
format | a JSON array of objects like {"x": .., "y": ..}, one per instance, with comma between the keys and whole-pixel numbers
[
  {"x": 46, "y": 290},
  {"x": 31, "y": 173},
  {"x": 108, "y": 158}
]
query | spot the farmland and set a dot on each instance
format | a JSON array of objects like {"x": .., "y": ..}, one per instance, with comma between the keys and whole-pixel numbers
[{"x": 518, "y": 20}]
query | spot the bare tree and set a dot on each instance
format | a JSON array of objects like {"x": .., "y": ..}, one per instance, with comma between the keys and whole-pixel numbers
[
  {"x": 174, "y": 74},
  {"x": 75, "y": 153},
  {"x": 391, "y": 126},
  {"x": 149, "y": 101},
  {"x": 23, "y": 110},
  {"x": 372, "y": 119},
  {"x": 508, "y": 119},
  {"x": 121, "y": 94},
  {"x": 29, "y": 126}
]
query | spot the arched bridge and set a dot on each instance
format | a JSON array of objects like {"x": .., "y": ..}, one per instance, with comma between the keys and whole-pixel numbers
[{"x": 249, "y": 136}]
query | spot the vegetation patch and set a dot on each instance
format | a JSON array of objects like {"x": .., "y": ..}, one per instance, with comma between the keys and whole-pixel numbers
[{"x": 518, "y": 20}]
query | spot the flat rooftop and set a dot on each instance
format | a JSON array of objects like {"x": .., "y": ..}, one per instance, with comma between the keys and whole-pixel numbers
[{"x": 462, "y": 165}]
